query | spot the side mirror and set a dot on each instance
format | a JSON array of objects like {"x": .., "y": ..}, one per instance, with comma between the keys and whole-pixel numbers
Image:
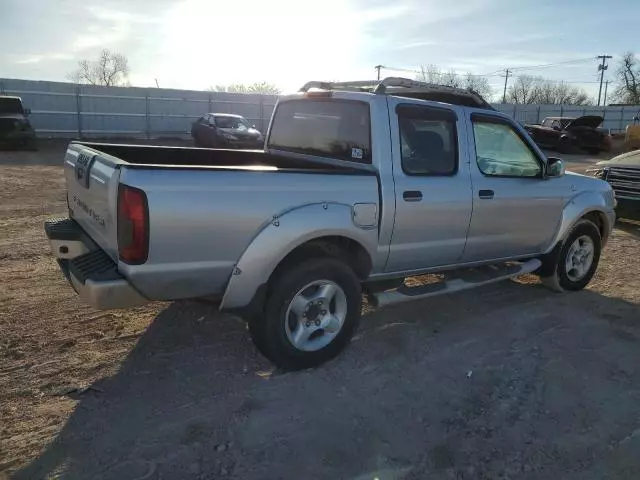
[
  {"x": 555, "y": 127},
  {"x": 27, "y": 111},
  {"x": 555, "y": 167}
]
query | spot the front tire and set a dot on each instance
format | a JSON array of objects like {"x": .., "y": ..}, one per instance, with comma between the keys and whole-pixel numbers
[
  {"x": 311, "y": 313},
  {"x": 577, "y": 260}
]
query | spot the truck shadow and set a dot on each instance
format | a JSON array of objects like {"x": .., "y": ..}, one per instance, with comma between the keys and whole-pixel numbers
[{"x": 426, "y": 388}]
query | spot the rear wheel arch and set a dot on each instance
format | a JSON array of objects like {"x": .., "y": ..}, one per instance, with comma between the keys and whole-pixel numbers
[{"x": 343, "y": 248}]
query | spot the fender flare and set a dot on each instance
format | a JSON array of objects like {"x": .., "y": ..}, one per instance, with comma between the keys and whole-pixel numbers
[
  {"x": 579, "y": 206},
  {"x": 281, "y": 236}
]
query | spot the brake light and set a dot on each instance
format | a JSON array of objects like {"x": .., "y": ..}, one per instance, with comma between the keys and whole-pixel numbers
[
  {"x": 318, "y": 93},
  {"x": 133, "y": 225}
]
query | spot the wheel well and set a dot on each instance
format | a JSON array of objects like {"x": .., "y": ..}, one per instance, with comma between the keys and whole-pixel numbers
[
  {"x": 343, "y": 248},
  {"x": 598, "y": 219}
]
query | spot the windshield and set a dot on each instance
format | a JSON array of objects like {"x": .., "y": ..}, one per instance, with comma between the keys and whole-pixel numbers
[
  {"x": 564, "y": 122},
  {"x": 236, "y": 123},
  {"x": 10, "y": 105}
]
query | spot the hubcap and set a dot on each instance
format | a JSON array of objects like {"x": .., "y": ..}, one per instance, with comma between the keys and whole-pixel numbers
[
  {"x": 579, "y": 258},
  {"x": 315, "y": 315}
]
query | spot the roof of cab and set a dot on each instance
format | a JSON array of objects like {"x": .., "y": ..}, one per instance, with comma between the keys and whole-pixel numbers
[{"x": 404, "y": 87}]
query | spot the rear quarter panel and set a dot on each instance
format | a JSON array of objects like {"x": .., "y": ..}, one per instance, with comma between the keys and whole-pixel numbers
[{"x": 202, "y": 220}]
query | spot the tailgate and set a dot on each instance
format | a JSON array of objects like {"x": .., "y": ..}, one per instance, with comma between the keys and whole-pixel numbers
[{"x": 92, "y": 190}]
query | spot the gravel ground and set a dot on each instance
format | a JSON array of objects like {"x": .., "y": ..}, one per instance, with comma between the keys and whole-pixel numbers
[{"x": 509, "y": 381}]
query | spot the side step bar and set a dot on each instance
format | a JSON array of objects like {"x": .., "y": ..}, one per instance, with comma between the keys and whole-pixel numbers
[{"x": 459, "y": 280}]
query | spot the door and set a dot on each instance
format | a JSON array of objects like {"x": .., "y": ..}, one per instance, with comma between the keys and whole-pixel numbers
[
  {"x": 516, "y": 210},
  {"x": 550, "y": 133},
  {"x": 432, "y": 186}
]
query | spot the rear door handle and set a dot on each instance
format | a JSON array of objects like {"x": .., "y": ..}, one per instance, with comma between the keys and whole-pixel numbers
[
  {"x": 412, "y": 195},
  {"x": 486, "y": 194}
]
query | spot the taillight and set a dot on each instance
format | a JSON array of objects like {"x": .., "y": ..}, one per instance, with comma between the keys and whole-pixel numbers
[{"x": 133, "y": 225}]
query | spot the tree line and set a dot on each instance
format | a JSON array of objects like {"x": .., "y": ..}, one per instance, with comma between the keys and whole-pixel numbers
[{"x": 112, "y": 69}]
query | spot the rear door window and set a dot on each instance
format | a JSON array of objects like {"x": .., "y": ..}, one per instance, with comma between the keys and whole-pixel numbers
[
  {"x": 325, "y": 127},
  {"x": 428, "y": 140}
]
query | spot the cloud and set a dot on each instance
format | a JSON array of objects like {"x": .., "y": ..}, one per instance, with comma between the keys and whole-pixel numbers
[
  {"x": 108, "y": 27},
  {"x": 42, "y": 58}
]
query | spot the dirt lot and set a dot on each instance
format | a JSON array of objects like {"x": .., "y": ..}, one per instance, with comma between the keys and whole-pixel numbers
[{"x": 505, "y": 382}]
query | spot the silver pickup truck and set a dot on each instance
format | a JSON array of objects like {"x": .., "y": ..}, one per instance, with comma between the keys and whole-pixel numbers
[{"x": 360, "y": 185}]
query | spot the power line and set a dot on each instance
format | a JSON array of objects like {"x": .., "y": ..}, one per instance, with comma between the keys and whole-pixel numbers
[
  {"x": 455, "y": 74},
  {"x": 578, "y": 60}
]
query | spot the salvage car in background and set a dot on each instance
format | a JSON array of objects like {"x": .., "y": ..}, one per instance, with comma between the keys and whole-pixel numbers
[
  {"x": 566, "y": 134},
  {"x": 15, "y": 128},
  {"x": 224, "y": 130},
  {"x": 623, "y": 174}
]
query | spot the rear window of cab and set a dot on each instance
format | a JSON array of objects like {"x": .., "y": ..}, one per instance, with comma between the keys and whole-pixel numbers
[{"x": 326, "y": 127}]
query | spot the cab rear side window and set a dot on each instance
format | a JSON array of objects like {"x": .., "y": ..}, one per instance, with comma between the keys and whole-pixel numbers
[{"x": 331, "y": 128}]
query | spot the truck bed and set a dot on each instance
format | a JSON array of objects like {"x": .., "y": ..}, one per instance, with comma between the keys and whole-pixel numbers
[
  {"x": 205, "y": 206},
  {"x": 165, "y": 156}
]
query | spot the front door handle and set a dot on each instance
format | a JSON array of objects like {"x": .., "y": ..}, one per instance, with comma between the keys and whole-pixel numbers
[
  {"x": 412, "y": 195},
  {"x": 486, "y": 194}
]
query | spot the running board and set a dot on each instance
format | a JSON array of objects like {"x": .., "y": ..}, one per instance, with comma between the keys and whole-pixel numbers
[{"x": 460, "y": 280}]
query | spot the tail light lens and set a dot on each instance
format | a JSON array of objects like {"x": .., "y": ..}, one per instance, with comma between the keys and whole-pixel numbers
[{"x": 133, "y": 225}]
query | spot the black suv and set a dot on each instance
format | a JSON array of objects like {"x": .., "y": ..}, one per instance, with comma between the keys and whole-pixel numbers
[{"x": 15, "y": 128}]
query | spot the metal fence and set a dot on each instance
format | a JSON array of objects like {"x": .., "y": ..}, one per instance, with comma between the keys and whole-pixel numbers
[{"x": 69, "y": 110}]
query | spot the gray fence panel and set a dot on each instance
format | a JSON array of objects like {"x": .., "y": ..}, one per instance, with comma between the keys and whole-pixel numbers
[{"x": 69, "y": 110}]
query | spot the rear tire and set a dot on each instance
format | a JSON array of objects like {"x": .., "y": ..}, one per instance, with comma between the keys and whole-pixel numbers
[
  {"x": 297, "y": 310},
  {"x": 578, "y": 259}
]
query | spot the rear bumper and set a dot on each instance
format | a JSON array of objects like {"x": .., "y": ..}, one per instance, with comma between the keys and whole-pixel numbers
[{"x": 89, "y": 270}]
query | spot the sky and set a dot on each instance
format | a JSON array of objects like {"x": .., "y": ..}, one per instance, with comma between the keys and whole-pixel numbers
[{"x": 194, "y": 44}]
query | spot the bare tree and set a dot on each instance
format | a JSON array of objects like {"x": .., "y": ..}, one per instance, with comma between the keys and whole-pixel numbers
[
  {"x": 478, "y": 84},
  {"x": 110, "y": 69},
  {"x": 263, "y": 88},
  {"x": 628, "y": 73},
  {"x": 432, "y": 74},
  {"x": 522, "y": 90},
  {"x": 528, "y": 89},
  {"x": 429, "y": 74}
]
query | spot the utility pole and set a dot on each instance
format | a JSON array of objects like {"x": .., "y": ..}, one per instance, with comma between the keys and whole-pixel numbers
[
  {"x": 606, "y": 87},
  {"x": 506, "y": 79},
  {"x": 378, "y": 67},
  {"x": 601, "y": 68}
]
